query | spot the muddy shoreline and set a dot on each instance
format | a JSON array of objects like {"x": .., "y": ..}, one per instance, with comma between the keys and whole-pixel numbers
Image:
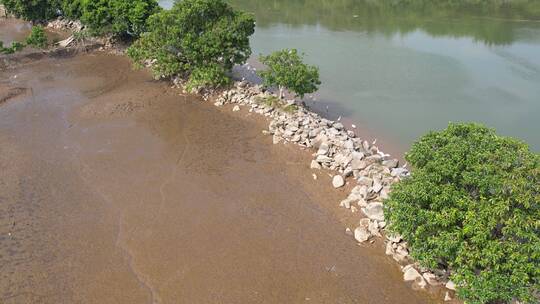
[{"x": 123, "y": 191}]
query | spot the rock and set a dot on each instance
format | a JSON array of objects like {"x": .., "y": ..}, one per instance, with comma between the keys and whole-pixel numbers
[
  {"x": 411, "y": 274},
  {"x": 276, "y": 139},
  {"x": 338, "y": 181},
  {"x": 314, "y": 176},
  {"x": 315, "y": 165},
  {"x": 392, "y": 163},
  {"x": 365, "y": 181},
  {"x": 389, "y": 249},
  {"x": 399, "y": 172},
  {"x": 357, "y": 155},
  {"x": 362, "y": 203},
  {"x": 319, "y": 139},
  {"x": 420, "y": 283},
  {"x": 66, "y": 42},
  {"x": 374, "y": 211},
  {"x": 349, "y": 145},
  {"x": 447, "y": 297},
  {"x": 236, "y": 108},
  {"x": 431, "y": 279},
  {"x": 394, "y": 238},
  {"x": 361, "y": 234},
  {"x": 358, "y": 164},
  {"x": 323, "y": 149},
  {"x": 373, "y": 228},
  {"x": 450, "y": 285},
  {"x": 346, "y": 203},
  {"x": 400, "y": 254},
  {"x": 377, "y": 187},
  {"x": 338, "y": 126},
  {"x": 348, "y": 231},
  {"x": 365, "y": 222}
]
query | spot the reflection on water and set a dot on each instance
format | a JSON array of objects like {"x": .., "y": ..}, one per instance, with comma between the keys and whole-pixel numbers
[{"x": 402, "y": 70}]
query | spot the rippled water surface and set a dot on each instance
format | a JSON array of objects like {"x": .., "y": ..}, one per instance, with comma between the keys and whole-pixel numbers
[{"x": 401, "y": 71}]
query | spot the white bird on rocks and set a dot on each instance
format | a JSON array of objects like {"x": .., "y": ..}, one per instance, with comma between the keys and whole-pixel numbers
[
  {"x": 374, "y": 142},
  {"x": 353, "y": 126},
  {"x": 339, "y": 118}
]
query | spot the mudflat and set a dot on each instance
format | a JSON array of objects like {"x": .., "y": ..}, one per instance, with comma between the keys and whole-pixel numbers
[{"x": 115, "y": 188}]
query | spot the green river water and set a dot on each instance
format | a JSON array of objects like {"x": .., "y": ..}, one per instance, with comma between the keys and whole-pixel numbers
[{"x": 398, "y": 71}]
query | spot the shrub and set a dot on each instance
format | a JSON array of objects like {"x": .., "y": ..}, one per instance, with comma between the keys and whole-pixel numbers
[
  {"x": 120, "y": 17},
  {"x": 15, "y": 47},
  {"x": 37, "y": 37},
  {"x": 471, "y": 206},
  {"x": 286, "y": 69},
  {"x": 200, "y": 40},
  {"x": 33, "y": 10}
]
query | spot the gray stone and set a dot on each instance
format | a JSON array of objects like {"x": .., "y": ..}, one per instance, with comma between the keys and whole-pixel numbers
[
  {"x": 373, "y": 228},
  {"x": 365, "y": 181},
  {"x": 236, "y": 108},
  {"x": 323, "y": 159},
  {"x": 392, "y": 163},
  {"x": 374, "y": 211},
  {"x": 361, "y": 234},
  {"x": 377, "y": 187},
  {"x": 358, "y": 164},
  {"x": 338, "y": 126},
  {"x": 450, "y": 285}
]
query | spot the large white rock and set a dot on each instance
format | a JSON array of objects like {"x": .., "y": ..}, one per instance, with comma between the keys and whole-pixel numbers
[
  {"x": 323, "y": 149},
  {"x": 451, "y": 285},
  {"x": 374, "y": 211},
  {"x": 315, "y": 165},
  {"x": 361, "y": 234},
  {"x": 411, "y": 274},
  {"x": 338, "y": 181}
]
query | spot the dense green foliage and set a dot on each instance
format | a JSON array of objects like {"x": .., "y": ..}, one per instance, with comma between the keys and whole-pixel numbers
[
  {"x": 286, "y": 69},
  {"x": 472, "y": 206},
  {"x": 37, "y": 37},
  {"x": 35, "y": 10},
  {"x": 119, "y": 17},
  {"x": 200, "y": 40},
  {"x": 71, "y": 9}
]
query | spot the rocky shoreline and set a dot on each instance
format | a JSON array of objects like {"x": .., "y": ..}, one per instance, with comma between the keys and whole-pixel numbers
[{"x": 350, "y": 160}]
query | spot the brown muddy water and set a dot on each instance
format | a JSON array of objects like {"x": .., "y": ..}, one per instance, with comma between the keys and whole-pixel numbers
[{"x": 114, "y": 188}]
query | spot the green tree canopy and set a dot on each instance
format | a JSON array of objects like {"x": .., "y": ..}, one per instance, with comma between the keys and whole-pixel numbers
[
  {"x": 472, "y": 206},
  {"x": 200, "y": 40},
  {"x": 120, "y": 17},
  {"x": 286, "y": 69},
  {"x": 33, "y": 10}
]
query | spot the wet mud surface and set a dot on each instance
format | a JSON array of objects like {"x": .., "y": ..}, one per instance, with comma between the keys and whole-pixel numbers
[{"x": 114, "y": 188}]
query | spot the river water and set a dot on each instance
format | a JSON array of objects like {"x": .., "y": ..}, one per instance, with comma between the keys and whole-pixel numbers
[{"x": 399, "y": 72}]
